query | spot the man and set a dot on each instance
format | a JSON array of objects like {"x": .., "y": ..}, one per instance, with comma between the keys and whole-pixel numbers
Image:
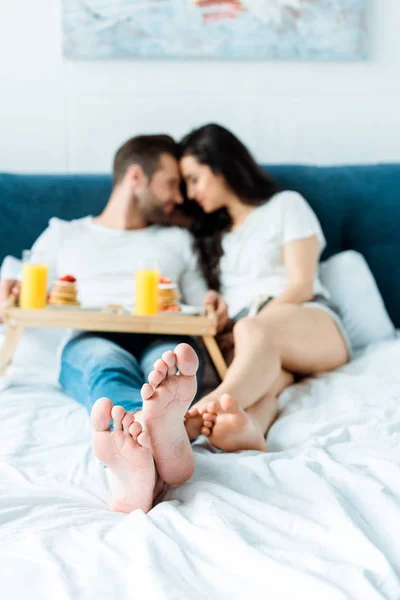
[{"x": 103, "y": 253}]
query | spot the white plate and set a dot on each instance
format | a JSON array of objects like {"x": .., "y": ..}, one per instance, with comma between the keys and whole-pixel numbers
[{"x": 191, "y": 310}]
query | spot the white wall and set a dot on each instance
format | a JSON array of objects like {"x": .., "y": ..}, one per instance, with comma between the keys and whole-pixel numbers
[{"x": 61, "y": 116}]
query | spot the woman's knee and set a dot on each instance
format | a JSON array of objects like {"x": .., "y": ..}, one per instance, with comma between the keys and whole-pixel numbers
[
  {"x": 250, "y": 330},
  {"x": 244, "y": 328}
]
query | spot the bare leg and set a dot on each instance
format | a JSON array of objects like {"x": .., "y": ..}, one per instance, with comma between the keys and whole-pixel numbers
[
  {"x": 255, "y": 360},
  {"x": 302, "y": 340}
]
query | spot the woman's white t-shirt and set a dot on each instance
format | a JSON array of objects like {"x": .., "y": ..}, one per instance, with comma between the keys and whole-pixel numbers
[{"x": 252, "y": 263}]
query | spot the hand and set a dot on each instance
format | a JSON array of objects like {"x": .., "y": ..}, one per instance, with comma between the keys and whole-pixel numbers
[
  {"x": 215, "y": 300},
  {"x": 8, "y": 287}
]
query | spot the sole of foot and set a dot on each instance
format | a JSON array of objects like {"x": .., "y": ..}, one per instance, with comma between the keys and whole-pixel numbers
[
  {"x": 126, "y": 451},
  {"x": 166, "y": 399},
  {"x": 231, "y": 428}
]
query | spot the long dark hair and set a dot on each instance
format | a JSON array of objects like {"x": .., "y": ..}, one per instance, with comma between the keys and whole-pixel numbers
[{"x": 218, "y": 148}]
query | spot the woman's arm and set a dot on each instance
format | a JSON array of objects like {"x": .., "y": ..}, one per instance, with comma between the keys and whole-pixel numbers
[{"x": 300, "y": 258}]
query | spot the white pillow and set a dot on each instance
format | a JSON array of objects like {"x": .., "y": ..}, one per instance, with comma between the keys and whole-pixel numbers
[{"x": 353, "y": 289}]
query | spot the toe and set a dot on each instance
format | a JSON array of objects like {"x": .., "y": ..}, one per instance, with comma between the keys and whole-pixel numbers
[
  {"x": 205, "y": 431},
  {"x": 161, "y": 367},
  {"x": 127, "y": 421},
  {"x": 155, "y": 378},
  {"x": 214, "y": 407},
  {"x": 117, "y": 413},
  {"x": 209, "y": 417},
  {"x": 101, "y": 414},
  {"x": 193, "y": 412},
  {"x": 208, "y": 424},
  {"x": 144, "y": 439},
  {"x": 147, "y": 391},
  {"x": 170, "y": 360},
  {"x": 186, "y": 360},
  {"x": 229, "y": 404},
  {"x": 135, "y": 429}
]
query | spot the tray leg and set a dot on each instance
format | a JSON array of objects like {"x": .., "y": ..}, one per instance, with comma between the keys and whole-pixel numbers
[
  {"x": 7, "y": 350},
  {"x": 215, "y": 354}
]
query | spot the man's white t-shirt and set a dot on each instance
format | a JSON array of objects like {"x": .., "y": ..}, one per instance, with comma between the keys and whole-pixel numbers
[
  {"x": 252, "y": 263},
  {"x": 104, "y": 260}
]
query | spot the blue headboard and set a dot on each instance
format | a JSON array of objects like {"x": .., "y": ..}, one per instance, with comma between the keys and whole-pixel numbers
[{"x": 358, "y": 206}]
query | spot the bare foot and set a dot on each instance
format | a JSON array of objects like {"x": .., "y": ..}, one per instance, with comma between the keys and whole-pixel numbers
[
  {"x": 166, "y": 399},
  {"x": 233, "y": 429},
  {"x": 126, "y": 451},
  {"x": 194, "y": 422}
]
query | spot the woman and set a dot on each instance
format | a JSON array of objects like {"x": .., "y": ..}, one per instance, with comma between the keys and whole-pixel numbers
[{"x": 254, "y": 241}]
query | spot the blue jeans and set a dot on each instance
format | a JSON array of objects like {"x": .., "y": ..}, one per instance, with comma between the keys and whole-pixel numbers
[{"x": 115, "y": 365}]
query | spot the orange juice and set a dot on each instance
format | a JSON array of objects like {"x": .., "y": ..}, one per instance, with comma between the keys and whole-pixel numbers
[
  {"x": 34, "y": 286},
  {"x": 146, "y": 291}
]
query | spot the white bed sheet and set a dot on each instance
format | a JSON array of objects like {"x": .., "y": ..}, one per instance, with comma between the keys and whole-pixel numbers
[{"x": 316, "y": 518}]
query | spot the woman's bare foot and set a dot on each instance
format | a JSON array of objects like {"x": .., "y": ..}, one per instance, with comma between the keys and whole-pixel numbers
[
  {"x": 166, "y": 399},
  {"x": 194, "y": 422},
  {"x": 126, "y": 452},
  {"x": 232, "y": 429}
]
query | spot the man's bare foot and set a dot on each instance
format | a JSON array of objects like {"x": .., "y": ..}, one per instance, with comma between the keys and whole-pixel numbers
[
  {"x": 232, "y": 429},
  {"x": 166, "y": 399},
  {"x": 126, "y": 452}
]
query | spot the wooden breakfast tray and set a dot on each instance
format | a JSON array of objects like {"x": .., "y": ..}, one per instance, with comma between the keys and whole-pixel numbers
[{"x": 17, "y": 319}]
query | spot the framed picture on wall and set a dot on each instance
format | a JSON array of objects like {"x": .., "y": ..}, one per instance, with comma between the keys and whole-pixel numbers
[{"x": 222, "y": 29}]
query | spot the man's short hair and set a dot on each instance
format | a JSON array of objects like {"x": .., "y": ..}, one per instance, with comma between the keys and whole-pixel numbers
[{"x": 143, "y": 150}]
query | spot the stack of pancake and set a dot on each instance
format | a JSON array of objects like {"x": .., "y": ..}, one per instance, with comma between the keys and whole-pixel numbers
[
  {"x": 64, "y": 292},
  {"x": 168, "y": 296}
]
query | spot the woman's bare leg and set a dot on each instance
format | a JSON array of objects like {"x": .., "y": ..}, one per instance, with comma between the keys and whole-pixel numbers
[{"x": 302, "y": 340}]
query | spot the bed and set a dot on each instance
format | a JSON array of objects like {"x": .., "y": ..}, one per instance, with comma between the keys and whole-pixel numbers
[{"x": 318, "y": 517}]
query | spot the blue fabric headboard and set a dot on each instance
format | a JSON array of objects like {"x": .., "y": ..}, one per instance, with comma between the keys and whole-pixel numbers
[{"x": 358, "y": 206}]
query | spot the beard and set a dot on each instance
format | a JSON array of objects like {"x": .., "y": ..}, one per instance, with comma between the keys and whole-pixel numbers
[{"x": 152, "y": 209}]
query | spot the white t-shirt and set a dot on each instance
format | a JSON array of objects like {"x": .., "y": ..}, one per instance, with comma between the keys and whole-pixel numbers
[
  {"x": 252, "y": 263},
  {"x": 104, "y": 260}
]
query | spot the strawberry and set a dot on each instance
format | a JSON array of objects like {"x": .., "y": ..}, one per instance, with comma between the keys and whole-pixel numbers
[
  {"x": 165, "y": 280},
  {"x": 69, "y": 278}
]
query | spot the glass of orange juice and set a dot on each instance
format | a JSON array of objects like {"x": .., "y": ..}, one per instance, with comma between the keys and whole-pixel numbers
[
  {"x": 34, "y": 283},
  {"x": 146, "y": 290}
]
